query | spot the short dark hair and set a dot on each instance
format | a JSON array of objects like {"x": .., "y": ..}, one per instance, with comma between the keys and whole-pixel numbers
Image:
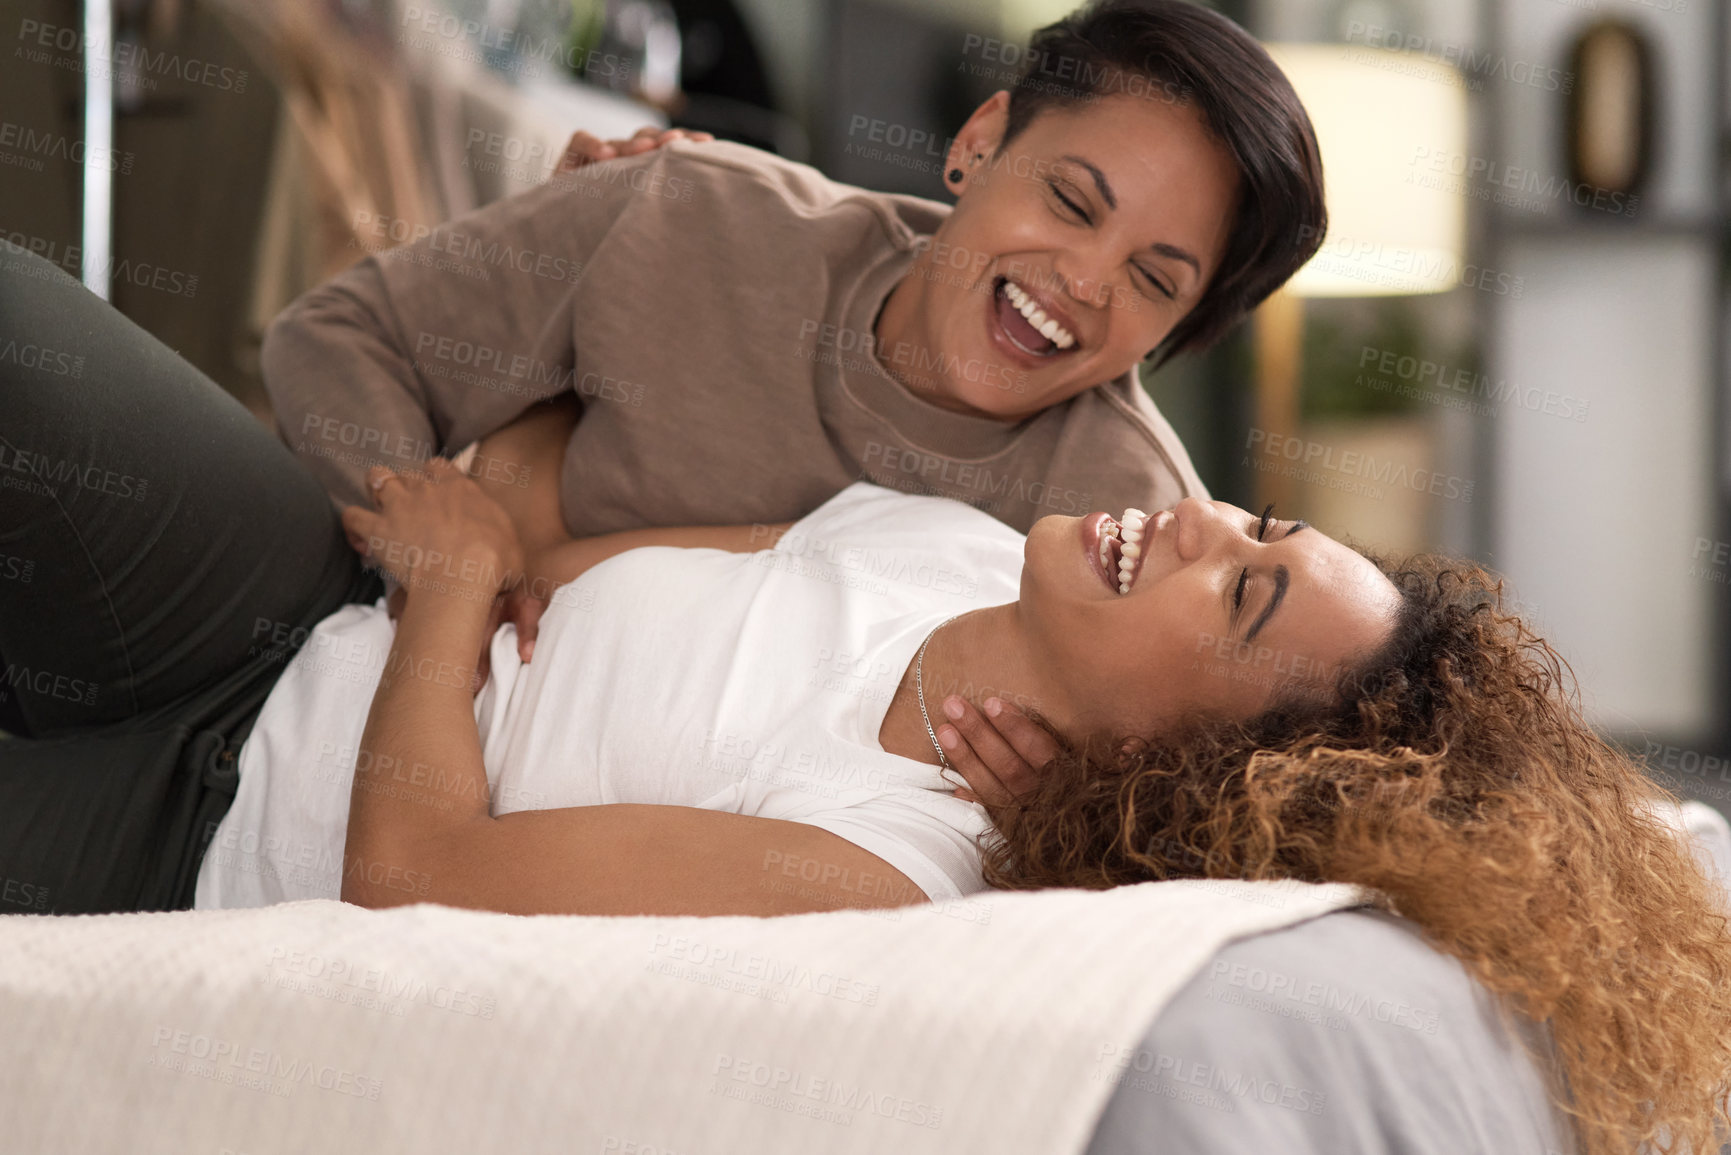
[{"x": 1198, "y": 57}]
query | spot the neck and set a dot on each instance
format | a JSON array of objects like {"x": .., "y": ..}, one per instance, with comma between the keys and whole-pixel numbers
[
  {"x": 983, "y": 654},
  {"x": 900, "y": 325}
]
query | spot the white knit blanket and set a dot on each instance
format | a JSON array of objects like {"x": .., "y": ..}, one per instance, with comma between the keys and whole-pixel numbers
[{"x": 1000, "y": 1022}]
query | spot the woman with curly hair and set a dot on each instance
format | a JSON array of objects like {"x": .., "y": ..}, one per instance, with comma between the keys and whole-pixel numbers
[{"x": 1452, "y": 774}]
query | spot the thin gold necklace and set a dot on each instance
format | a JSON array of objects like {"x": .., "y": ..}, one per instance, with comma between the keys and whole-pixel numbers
[{"x": 920, "y": 689}]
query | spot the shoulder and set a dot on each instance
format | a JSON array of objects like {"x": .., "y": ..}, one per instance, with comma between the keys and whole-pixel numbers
[
  {"x": 1124, "y": 432},
  {"x": 924, "y": 549},
  {"x": 725, "y": 168}
]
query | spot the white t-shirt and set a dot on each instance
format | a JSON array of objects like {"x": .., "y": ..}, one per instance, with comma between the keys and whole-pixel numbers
[{"x": 754, "y": 683}]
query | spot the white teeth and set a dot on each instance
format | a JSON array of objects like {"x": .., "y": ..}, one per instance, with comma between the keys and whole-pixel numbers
[
  {"x": 1130, "y": 552},
  {"x": 1047, "y": 327},
  {"x": 1109, "y": 532}
]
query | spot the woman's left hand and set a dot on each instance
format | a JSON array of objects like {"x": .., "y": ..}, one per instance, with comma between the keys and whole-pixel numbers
[
  {"x": 997, "y": 753},
  {"x": 584, "y": 148},
  {"x": 440, "y": 532}
]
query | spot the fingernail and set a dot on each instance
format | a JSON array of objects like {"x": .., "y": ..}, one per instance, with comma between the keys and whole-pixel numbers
[
  {"x": 947, "y": 738},
  {"x": 993, "y": 706},
  {"x": 953, "y": 707}
]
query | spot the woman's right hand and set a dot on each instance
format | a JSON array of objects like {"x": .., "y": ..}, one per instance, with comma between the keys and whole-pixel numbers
[
  {"x": 440, "y": 532},
  {"x": 998, "y": 756}
]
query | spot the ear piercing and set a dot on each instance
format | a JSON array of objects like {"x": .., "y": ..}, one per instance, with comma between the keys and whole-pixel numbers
[{"x": 956, "y": 173}]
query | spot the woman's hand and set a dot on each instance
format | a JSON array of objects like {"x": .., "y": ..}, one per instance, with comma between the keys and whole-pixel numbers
[
  {"x": 998, "y": 754},
  {"x": 585, "y": 149},
  {"x": 439, "y": 533},
  {"x": 443, "y": 534}
]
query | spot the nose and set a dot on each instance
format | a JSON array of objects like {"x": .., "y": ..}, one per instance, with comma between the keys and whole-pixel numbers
[
  {"x": 1203, "y": 527},
  {"x": 1078, "y": 285}
]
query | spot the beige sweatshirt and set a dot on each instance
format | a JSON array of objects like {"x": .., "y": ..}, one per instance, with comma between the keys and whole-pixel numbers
[{"x": 712, "y": 306}]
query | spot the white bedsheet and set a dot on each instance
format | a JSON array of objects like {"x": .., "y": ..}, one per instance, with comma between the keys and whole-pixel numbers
[{"x": 993, "y": 1023}]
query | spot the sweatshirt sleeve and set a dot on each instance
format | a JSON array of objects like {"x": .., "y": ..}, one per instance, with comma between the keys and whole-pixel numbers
[{"x": 421, "y": 349}]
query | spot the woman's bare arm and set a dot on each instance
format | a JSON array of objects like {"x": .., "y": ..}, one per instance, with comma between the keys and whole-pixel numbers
[
  {"x": 420, "y": 831},
  {"x": 419, "y": 822},
  {"x": 519, "y": 465}
]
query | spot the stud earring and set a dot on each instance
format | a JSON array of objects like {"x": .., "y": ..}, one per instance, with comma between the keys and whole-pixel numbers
[{"x": 955, "y": 175}]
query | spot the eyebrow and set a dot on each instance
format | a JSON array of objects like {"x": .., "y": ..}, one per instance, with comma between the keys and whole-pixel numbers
[
  {"x": 1281, "y": 579},
  {"x": 1105, "y": 188}
]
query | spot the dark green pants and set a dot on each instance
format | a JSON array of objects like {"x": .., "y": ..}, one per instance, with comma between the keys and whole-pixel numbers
[{"x": 162, "y": 556}]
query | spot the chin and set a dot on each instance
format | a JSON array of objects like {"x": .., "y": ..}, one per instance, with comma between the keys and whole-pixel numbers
[{"x": 1047, "y": 570}]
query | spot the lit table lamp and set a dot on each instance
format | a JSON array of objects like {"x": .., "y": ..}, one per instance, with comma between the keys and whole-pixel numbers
[{"x": 1392, "y": 127}]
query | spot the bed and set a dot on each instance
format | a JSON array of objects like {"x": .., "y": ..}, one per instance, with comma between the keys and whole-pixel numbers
[{"x": 1172, "y": 1017}]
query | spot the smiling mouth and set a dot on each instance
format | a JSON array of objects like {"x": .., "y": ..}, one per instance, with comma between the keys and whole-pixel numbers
[
  {"x": 1121, "y": 547},
  {"x": 1027, "y": 327}
]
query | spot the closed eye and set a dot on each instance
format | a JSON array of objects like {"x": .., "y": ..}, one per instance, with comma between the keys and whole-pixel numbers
[
  {"x": 1082, "y": 215},
  {"x": 1244, "y": 574}
]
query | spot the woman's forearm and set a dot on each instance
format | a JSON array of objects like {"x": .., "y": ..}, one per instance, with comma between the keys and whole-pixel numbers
[{"x": 420, "y": 771}]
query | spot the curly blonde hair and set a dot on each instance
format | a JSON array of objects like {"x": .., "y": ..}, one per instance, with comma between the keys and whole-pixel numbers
[{"x": 1453, "y": 774}]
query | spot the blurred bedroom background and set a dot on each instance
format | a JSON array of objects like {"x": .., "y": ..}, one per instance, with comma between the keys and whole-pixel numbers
[{"x": 1511, "y": 347}]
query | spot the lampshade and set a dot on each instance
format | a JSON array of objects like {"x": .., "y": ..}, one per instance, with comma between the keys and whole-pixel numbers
[{"x": 1393, "y": 131}]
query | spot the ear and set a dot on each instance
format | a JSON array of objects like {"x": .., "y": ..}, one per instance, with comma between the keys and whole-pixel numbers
[{"x": 978, "y": 138}]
